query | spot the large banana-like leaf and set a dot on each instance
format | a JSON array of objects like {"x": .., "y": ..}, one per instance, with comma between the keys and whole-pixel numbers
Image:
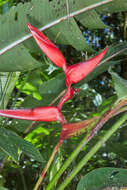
[
  {"x": 113, "y": 7},
  {"x": 59, "y": 17}
]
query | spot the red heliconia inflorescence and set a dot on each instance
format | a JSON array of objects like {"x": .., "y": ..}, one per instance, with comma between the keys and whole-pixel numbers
[
  {"x": 48, "y": 47},
  {"x": 74, "y": 73},
  {"x": 35, "y": 114}
]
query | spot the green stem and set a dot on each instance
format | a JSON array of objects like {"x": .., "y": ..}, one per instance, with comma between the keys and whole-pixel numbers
[
  {"x": 47, "y": 166},
  {"x": 92, "y": 152},
  {"x": 23, "y": 179},
  {"x": 67, "y": 162}
]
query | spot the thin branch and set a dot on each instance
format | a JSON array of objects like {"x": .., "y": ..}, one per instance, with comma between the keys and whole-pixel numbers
[
  {"x": 67, "y": 6},
  {"x": 26, "y": 37}
]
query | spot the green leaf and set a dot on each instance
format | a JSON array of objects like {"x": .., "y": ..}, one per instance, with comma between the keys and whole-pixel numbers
[
  {"x": 113, "y": 7},
  {"x": 37, "y": 135},
  {"x": 46, "y": 13},
  {"x": 30, "y": 150},
  {"x": 10, "y": 143},
  {"x": 3, "y": 2},
  {"x": 7, "y": 84},
  {"x": 32, "y": 84},
  {"x": 20, "y": 125},
  {"x": 3, "y": 188},
  {"x": 68, "y": 32},
  {"x": 91, "y": 20},
  {"x": 52, "y": 88},
  {"x": 118, "y": 148},
  {"x": 18, "y": 59},
  {"x": 120, "y": 85},
  {"x": 103, "y": 177},
  {"x": 49, "y": 91},
  {"x": 7, "y": 144},
  {"x": 2, "y": 155}
]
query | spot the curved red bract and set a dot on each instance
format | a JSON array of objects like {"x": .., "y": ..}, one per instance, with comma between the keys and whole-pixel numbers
[
  {"x": 77, "y": 72},
  {"x": 48, "y": 47},
  {"x": 72, "y": 129},
  {"x": 36, "y": 114}
]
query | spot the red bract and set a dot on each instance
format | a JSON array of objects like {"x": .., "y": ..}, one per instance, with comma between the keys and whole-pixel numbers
[
  {"x": 36, "y": 114},
  {"x": 48, "y": 47},
  {"x": 77, "y": 72},
  {"x": 72, "y": 129}
]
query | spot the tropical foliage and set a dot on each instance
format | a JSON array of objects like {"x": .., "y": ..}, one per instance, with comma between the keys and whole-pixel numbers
[{"x": 80, "y": 30}]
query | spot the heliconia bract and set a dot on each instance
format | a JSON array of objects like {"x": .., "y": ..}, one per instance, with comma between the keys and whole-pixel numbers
[
  {"x": 48, "y": 47},
  {"x": 72, "y": 129},
  {"x": 36, "y": 114},
  {"x": 77, "y": 72}
]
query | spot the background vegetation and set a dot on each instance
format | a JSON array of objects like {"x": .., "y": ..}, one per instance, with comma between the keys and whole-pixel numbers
[{"x": 28, "y": 79}]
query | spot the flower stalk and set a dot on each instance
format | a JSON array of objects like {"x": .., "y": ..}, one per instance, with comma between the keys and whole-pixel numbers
[{"x": 47, "y": 165}]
